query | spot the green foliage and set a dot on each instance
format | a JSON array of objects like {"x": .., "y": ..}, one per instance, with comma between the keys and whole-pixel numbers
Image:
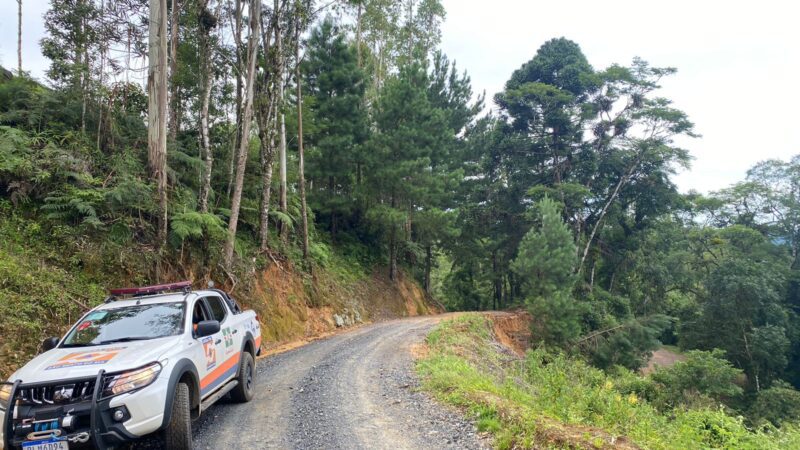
[
  {"x": 702, "y": 376},
  {"x": 195, "y": 225},
  {"x": 545, "y": 264},
  {"x": 778, "y": 405},
  {"x": 558, "y": 399},
  {"x": 629, "y": 344},
  {"x": 547, "y": 255}
]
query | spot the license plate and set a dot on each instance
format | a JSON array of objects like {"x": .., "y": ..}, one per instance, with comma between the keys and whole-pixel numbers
[{"x": 50, "y": 444}]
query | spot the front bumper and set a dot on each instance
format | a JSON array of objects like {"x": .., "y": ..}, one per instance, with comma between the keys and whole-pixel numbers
[{"x": 88, "y": 421}]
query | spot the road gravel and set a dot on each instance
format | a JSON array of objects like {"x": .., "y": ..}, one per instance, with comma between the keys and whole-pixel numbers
[{"x": 355, "y": 390}]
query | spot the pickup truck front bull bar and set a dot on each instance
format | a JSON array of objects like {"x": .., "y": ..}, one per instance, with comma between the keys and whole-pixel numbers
[{"x": 97, "y": 427}]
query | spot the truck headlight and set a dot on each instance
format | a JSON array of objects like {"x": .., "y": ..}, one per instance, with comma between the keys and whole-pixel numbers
[
  {"x": 5, "y": 395},
  {"x": 128, "y": 381}
]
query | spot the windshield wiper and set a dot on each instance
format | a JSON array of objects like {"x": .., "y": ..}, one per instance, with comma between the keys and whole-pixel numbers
[{"x": 124, "y": 339}]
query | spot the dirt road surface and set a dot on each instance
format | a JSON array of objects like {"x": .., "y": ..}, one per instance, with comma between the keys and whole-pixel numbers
[{"x": 355, "y": 390}]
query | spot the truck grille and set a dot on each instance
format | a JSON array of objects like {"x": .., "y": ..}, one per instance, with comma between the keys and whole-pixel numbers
[{"x": 57, "y": 394}]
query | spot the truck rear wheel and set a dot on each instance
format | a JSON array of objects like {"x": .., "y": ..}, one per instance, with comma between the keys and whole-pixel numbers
[
  {"x": 243, "y": 392},
  {"x": 178, "y": 433}
]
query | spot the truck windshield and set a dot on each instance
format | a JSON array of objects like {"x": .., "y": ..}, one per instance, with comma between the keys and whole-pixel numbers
[{"x": 128, "y": 323}]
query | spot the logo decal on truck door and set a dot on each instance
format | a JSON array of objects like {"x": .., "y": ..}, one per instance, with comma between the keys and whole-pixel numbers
[
  {"x": 210, "y": 351},
  {"x": 228, "y": 337}
]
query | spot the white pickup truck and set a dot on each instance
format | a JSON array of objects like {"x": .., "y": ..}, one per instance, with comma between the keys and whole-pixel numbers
[{"x": 147, "y": 360}]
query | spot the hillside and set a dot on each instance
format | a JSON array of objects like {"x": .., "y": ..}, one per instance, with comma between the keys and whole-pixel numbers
[
  {"x": 553, "y": 400},
  {"x": 47, "y": 281}
]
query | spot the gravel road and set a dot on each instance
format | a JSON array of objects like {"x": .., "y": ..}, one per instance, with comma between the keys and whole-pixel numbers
[{"x": 351, "y": 391}]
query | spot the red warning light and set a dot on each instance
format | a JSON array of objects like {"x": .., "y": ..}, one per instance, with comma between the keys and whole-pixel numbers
[{"x": 156, "y": 289}]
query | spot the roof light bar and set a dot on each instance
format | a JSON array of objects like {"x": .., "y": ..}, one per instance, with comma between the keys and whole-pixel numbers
[{"x": 156, "y": 289}]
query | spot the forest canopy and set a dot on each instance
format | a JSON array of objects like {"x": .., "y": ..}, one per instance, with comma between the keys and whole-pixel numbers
[{"x": 297, "y": 129}]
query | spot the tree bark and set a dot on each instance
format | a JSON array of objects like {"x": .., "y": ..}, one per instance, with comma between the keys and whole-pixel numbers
[
  {"x": 301, "y": 156},
  {"x": 393, "y": 254},
  {"x": 247, "y": 117},
  {"x": 498, "y": 280},
  {"x": 428, "y": 266},
  {"x": 205, "y": 83},
  {"x": 173, "y": 68},
  {"x": 622, "y": 181},
  {"x": 283, "y": 185},
  {"x": 237, "y": 36},
  {"x": 358, "y": 34},
  {"x": 267, "y": 137},
  {"x": 19, "y": 37},
  {"x": 157, "y": 109}
]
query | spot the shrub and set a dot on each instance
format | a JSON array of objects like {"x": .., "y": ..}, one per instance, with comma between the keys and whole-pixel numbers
[
  {"x": 704, "y": 378},
  {"x": 777, "y": 405}
]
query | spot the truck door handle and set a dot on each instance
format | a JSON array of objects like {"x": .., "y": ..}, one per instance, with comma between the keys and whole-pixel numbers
[{"x": 218, "y": 341}]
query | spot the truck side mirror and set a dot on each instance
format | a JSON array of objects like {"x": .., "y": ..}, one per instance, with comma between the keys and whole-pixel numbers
[
  {"x": 207, "y": 328},
  {"x": 49, "y": 343}
]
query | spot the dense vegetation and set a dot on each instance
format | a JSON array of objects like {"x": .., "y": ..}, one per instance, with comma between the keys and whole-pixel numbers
[
  {"x": 560, "y": 201},
  {"x": 551, "y": 400}
]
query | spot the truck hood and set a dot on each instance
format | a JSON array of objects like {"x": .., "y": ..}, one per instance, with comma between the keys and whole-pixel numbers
[{"x": 78, "y": 362}]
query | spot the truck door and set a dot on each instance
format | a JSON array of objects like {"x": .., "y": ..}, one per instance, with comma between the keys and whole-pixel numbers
[
  {"x": 204, "y": 353},
  {"x": 227, "y": 344}
]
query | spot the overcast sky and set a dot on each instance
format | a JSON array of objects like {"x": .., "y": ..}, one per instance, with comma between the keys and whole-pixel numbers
[{"x": 738, "y": 62}]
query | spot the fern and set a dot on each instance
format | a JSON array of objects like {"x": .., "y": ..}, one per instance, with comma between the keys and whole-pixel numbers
[{"x": 196, "y": 225}]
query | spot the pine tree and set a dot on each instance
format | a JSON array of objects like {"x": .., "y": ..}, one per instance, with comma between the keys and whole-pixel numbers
[
  {"x": 335, "y": 90},
  {"x": 545, "y": 264}
]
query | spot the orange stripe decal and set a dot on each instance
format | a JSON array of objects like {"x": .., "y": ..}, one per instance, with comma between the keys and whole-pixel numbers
[{"x": 219, "y": 371}]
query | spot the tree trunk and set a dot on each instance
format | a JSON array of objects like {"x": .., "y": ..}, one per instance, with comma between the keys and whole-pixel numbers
[
  {"x": 498, "y": 279},
  {"x": 358, "y": 34},
  {"x": 247, "y": 117},
  {"x": 19, "y": 37},
  {"x": 157, "y": 109},
  {"x": 237, "y": 35},
  {"x": 302, "y": 180},
  {"x": 266, "y": 104},
  {"x": 622, "y": 181},
  {"x": 205, "y": 85},
  {"x": 393, "y": 246},
  {"x": 428, "y": 266},
  {"x": 266, "y": 132},
  {"x": 284, "y": 204},
  {"x": 393, "y": 254},
  {"x": 173, "y": 68}
]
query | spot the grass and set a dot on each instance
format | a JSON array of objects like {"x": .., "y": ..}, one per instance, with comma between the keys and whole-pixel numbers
[
  {"x": 39, "y": 296},
  {"x": 554, "y": 401}
]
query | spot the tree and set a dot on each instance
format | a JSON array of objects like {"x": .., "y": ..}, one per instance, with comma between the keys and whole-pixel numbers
[
  {"x": 247, "y": 118},
  {"x": 335, "y": 89},
  {"x": 174, "y": 95},
  {"x": 299, "y": 19},
  {"x": 545, "y": 263},
  {"x": 206, "y": 22},
  {"x": 71, "y": 45},
  {"x": 399, "y": 174},
  {"x": 19, "y": 37},
  {"x": 740, "y": 309},
  {"x": 157, "y": 109}
]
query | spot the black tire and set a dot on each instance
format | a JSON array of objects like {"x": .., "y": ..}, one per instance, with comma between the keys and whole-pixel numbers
[
  {"x": 178, "y": 433},
  {"x": 244, "y": 391}
]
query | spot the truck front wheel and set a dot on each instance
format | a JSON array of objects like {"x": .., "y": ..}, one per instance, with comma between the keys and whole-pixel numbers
[
  {"x": 178, "y": 433},
  {"x": 243, "y": 392}
]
